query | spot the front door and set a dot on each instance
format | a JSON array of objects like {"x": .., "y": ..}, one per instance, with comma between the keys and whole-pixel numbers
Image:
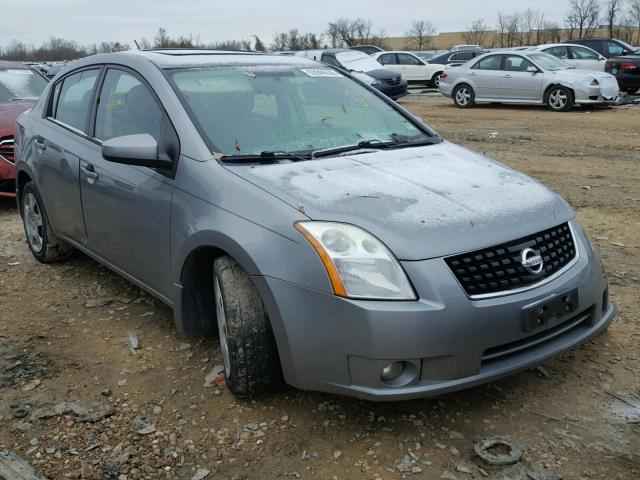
[
  {"x": 127, "y": 208},
  {"x": 517, "y": 83}
]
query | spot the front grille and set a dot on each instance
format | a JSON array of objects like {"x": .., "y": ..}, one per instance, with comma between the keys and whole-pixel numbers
[
  {"x": 6, "y": 149},
  {"x": 394, "y": 80},
  {"x": 499, "y": 268}
]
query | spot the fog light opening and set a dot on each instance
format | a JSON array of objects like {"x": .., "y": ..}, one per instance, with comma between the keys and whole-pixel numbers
[{"x": 392, "y": 371}]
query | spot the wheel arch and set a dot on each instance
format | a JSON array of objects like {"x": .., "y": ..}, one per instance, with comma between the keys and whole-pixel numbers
[{"x": 557, "y": 84}]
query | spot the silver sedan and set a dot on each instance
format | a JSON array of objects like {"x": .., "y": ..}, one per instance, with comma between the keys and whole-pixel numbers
[{"x": 526, "y": 77}]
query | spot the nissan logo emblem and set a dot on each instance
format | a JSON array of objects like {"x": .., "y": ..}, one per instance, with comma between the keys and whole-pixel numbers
[{"x": 532, "y": 261}]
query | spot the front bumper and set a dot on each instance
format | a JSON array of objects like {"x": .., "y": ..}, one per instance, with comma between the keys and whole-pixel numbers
[
  {"x": 450, "y": 342},
  {"x": 393, "y": 91}
]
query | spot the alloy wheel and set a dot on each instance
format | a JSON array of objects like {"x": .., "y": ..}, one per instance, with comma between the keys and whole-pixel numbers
[
  {"x": 33, "y": 221},
  {"x": 558, "y": 99},
  {"x": 463, "y": 96}
]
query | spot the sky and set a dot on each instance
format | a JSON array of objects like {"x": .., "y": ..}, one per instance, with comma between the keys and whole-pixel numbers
[{"x": 93, "y": 21}]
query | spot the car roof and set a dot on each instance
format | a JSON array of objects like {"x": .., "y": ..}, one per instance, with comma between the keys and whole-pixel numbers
[
  {"x": 185, "y": 58},
  {"x": 5, "y": 64}
]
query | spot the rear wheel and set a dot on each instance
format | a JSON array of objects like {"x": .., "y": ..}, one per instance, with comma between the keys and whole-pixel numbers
[
  {"x": 248, "y": 347},
  {"x": 43, "y": 243},
  {"x": 559, "y": 99},
  {"x": 435, "y": 80},
  {"x": 463, "y": 96}
]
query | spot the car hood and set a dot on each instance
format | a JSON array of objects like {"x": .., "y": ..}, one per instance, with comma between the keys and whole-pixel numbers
[
  {"x": 422, "y": 202},
  {"x": 576, "y": 75},
  {"x": 382, "y": 74},
  {"x": 9, "y": 113}
]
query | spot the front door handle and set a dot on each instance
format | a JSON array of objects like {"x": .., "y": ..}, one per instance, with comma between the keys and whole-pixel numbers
[
  {"x": 89, "y": 171},
  {"x": 507, "y": 76},
  {"x": 39, "y": 143}
]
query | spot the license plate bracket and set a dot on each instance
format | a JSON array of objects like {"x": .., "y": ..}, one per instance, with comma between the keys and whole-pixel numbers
[{"x": 548, "y": 312}]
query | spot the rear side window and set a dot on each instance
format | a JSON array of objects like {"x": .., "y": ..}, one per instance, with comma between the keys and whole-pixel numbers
[
  {"x": 387, "y": 59},
  {"x": 126, "y": 107},
  {"x": 73, "y": 99},
  {"x": 489, "y": 63},
  {"x": 581, "y": 53},
  {"x": 559, "y": 52}
]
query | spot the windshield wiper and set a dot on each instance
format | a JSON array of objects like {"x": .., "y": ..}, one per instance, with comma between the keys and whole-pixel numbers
[
  {"x": 264, "y": 157},
  {"x": 375, "y": 144}
]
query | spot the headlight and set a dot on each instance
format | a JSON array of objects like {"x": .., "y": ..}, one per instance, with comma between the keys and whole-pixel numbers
[
  {"x": 358, "y": 264},
  {"x": 375, "y": 82}
]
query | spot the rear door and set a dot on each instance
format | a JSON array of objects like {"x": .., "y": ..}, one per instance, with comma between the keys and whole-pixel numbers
[
  {"x": 127, "y": 208},
  {"x": 61, "y": 142},
  {"x": 485, "y": 76},
  {"x": 517, "y": 83}
]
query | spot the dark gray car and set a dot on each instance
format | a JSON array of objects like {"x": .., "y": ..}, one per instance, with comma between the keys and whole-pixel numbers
[{"x": 332, "y": 240}]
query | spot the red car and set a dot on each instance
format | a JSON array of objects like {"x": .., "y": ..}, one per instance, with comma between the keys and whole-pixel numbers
[{"x": 20, "y": 88}]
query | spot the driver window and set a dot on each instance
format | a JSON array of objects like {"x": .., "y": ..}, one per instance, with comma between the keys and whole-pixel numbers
[
  {"x": 581, "y": 53},
  {"x": 126, "y": 108},
  {"x": 516, "y": 63}
]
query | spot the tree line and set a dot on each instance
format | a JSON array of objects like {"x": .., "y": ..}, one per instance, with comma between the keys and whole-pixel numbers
[{"x": 621, "y": 19}]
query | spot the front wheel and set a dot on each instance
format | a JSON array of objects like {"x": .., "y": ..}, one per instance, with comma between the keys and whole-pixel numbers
[
  {"x": 463, "y": 96},
  {"x": 43, "y": 243},
  {"x": 249, "y": 352},
  {"x": 559, "y": 99}
]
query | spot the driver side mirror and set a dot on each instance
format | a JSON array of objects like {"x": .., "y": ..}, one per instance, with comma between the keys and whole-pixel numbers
[
  {"x": 533, "y": 69},
  {"x": 602, "y": 57},
  {"x": 140, "y": 149}
]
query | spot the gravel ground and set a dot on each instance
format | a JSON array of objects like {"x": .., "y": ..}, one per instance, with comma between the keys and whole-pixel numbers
[{"x": 76, "y": 401}]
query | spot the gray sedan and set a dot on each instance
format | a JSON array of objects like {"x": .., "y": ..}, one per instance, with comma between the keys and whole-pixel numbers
[
  {"x": 529, "y": 78},
  {"x": 329, "y": 238}
]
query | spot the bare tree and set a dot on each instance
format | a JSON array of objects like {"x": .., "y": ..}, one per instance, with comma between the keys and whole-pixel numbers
[
  {"x": 502, "y": 29},
  {"x": 161, "y": 40},
  {"x": 612, "y": 8},
  {"x": 476, "y": 33},
  {"x": 528, "y": 23},
  {"x": 421, "y": 34},
  {"x": 634, "y": 14},
  {"x": 280, "y": 41},
  {"x": 259, "y": 46},
  {"x": 583, "y": 17}
]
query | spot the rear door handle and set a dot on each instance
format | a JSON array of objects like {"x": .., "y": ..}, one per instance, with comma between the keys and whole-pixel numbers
[
  {"x": 507, "y": 76},
  {"x": 89, "y": 171},
  {"x": 39, "y": 143}
]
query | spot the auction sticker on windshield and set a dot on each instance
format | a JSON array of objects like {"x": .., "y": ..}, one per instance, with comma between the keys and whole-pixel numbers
[{"x": 321, "y": 72}]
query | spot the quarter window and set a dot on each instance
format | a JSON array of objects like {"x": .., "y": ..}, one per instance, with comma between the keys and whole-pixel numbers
[
  {"x": 74, "y": 99},
  {"x": 489, "y": 63},
  {"x": 126, "y": 108},
  {"x": 613, "y": 48}
]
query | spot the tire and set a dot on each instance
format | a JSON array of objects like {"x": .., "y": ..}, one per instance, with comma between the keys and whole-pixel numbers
[
  {"x": 559, "y": 99},
  {"x": 43, "y": 243},
  {"x": 435, "y": 80},
  {"x": 249, "y": 351},
  {"x": 464, "y": 96}
]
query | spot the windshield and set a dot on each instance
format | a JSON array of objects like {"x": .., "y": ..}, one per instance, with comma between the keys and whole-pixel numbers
[
  {"x": 20, "y": 84},
  {"x": 357, "y": 61},
  {"x": 548, "y": 61},
  {"x": 250, "y": 110}
]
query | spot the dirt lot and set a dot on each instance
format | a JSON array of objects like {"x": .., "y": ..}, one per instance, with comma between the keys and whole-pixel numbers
[{"x": 76, "y": 402}]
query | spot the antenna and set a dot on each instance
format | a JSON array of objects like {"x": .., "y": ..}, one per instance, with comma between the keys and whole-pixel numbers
[{"x": 137, "y": 46}]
